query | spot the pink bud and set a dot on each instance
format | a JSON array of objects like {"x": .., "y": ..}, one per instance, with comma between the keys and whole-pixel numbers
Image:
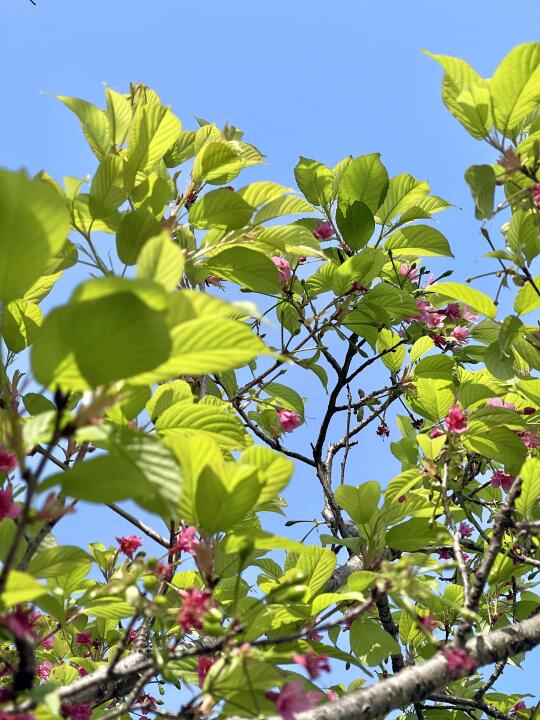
[
  {"x": 283, "y": 266},
  {"x": 288, "y": 419}
]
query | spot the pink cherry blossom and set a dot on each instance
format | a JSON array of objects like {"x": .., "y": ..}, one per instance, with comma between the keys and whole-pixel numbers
[
  {"x": 8, "y": 460},
  {"x": 196, "y": 604},
  {"x": 460, "y": 334},
  {"x": 502, "y": 479},
  {"x": 314, "y": 664},
  {"x": 147, "y": 701},
  {"x": 48, "y": 642},
  {"x": 452, "y": 311},
  {"x": 466, "y": 557},
  {"x": 314, "y": 635},
  {"x": 163, "y": 570},
  {"x": 459, "y": 661},
  {"x": 536, "y": 195},
  {"x": 498, "y": 402},
  {"x": 324, "y": 231},
  {"x": 20, "y": 624},
  {"x": 519, "y": 705},
  {"x": 409, "y": 272},
  {"x": 283, "y": 266},
  {"x": 129, "y": 544},
  {"x": 84, "y": 638},
  {"x": 292, "y": 699},
  {"x": 469, "y": 315},
  {"x": 429, "y": 315},
  {"x": 8, "y": 508},
  {"x": 203, "y": 666},
  {"x": 77, "y": 712},
  {"x": 186, "y": 541},
  {"x": 288, "y": 419},
  {"x": 436, "y": 432},
  {"x": 465, "y": 530},
  {"x": 529, "y": 438},
  {"x": 43, "y": 670},
  {"x": 383, "y": 430},
  {"x": 428, "y": 621},
  {"x": 444, "y": 555},
  {"x": 456, "y": 420}
]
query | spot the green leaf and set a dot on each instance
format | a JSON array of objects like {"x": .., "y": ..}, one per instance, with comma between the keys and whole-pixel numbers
[
  {"x": 404, "y": 192},
  {"x": 21, "y": 588},
  {"x": 275, "y": 470},
  {"x": 216, "y": 163},
  {"x": 225, "y": 495},
  {"x": 362, "y": 268},
  {"x": 108, "y": 608},
  {"x": 162, "y": 261},
  {"x": 283, "y": 396},
  {"x": 499, "y": 363},
  {"x": 418, "y": 240},
  {"x": 249, "y": 268},
  {"x": 94, "y": 122},
  {"x": 318, "y": 564},
  {"x": 180, "y": 151},
  {"x": 393, "y": 358},
  {"x": 135, "y": 228},
  {"x": 365, "y": 179},
  {"x": 220, "y": 209},
  {"x": 360, "y": 502},
  {"x": 416, "y": 534},
  {"x": 119, "y": 115},
  {"x": 522, "y": 235},
  {"x": 530, "y": 489},
  {"x": 109, "y": 187},
  {"x": 168, "y": 394},
  {"x": 284, "y": 205},
  {"x": 527, "y": 299},
  {"x": 20, "y": 323},
  {"x": 432, "y": 397},
  {"x": 314, "y": 180},
  {"x": 33, "y": 227},
  {"x": 470, "y": 296},
  {"x": 218, "y": 423},
  {"x": 370, "y": 643},
  {"x": 153, "y": 130},
  {"x": 481, "y": 180},
  {"x": 496, "y": 443},
  {"x": 420, "y": 347},
  {"x": 57, "y": 561},
  {"x": 515, "y": 87},
  {"x": 355, "y": 223},
  {"x": 466, "y": 95}
]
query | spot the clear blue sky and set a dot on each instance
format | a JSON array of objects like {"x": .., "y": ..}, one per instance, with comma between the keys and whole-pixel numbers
[{"x": 321, "y": 79}]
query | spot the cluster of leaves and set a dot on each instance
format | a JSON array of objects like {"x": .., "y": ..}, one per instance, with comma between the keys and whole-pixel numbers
[{"x": 145, "y": 386}]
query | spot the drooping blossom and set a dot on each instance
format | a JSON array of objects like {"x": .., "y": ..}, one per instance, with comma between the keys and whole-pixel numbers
[
  {"x": 429, "y": 314},
  {"x": 536, "y": 195},
  {"x": 469, "y": 315},
  {"x": 8, "y": 460},
  {"x": 8, "y": 508},
  {"x": 452, "y": 311},
  {"x": 284, "y": 267},
  {"x": 510, "y": 160},
  {"x": 465, "y": 557},
  {"x": 383, "y": 430},
  {"x": 428, "y": 621},
  {"x": 164, "y": 570},
  {"x": 288, "y": 419},
  {"x": 196, "y": 603},
  {"x": 502, "y": 479},
  {"x": 314, "y": 635},
  {"x": 439, "y": 340},
  {"x": 132, "y": 636},
  {"x": 48, "y": 642},
  {"x": 203, "y": 666},
  {"x": 460, "y": 334},
  {"x": 186, "y": 541},
  {"x": 84, "y": 638},
  {"x": 459, "y": 661},
  {"x": 324, "y": 231},
  {"x": 147, "y": 701},
  {"x": 402, "y": 499},
  {"x": 20, "y": 624},
  {"x": 498, "y": 402},
  {"x": 313, "y": 664},
  {"x": 43, "y": 670},
  {"x": 445, "y": 555},
  {"x": 529, "y": 438},
  {"x": 527, "y": 410},
  {"x": 409, "y": 272},
  {"x": 518, "y": 707},
  {"x": 129, "y": 544},
  {"x": 77, "y": 712},
  {"x": 465, "y": 530},
  {"x": 456, "y": 420},
  {"x": 358, "y": 287},
  {"x": 436, "y": 432},
  {"x": 81, "y": 671},
  {"x": 418, "y": 423},
  {"x": 292, "y": 699}
]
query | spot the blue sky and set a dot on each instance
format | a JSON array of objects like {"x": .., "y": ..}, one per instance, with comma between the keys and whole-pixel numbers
[{"x": 302, "y": 77}]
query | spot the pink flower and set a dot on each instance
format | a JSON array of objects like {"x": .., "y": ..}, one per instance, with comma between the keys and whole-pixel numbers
[
  {"x": 324, "y": 231},
  {"x": 314, "y": 664},
  {"x": 528, "y": 410},
  {"x": 195, "y": 606},
  {"x": 148, "y": 702},
  {"x": 456, "y": 420},
  {"x": 445, "y": 555},
  {"x": 452, "y": 311},
  {"x": 20, "y": 624},
  {"x": 81, "y": 671},
  {"x": 292, "y": 699},
  {"x": 8, "y": 460},
  {"x": 8, "y": 508},
  {"x": 77, "y": 712},
  {"x": 48, "y": 642},
  {"x": 536, "y": 196},
  {"x": 529, "y": 438},
  {"x": 469, "y": 315},
  {"x": 84, "y": 638},
  {"x": 332, "y": 695},
  {"x": 429, "y": 314},
  {"x": 132, "y": 636},
  {"x": 186, "y": 541},
  {"x": 502, "y": 479},
  {"x": 314, "y": 635},
  {"x": 383, "y": 430},
  {"x": 288, "y": 419},
  {"x": 409, "y": 272},
  {"x": 283, "y": 266},
  {"x": 203, "y": 666},
  {"x": 497, "y": 402},
  {"x": 465, "y": 557},
  {"x": 43, "y": 670},
  {"x": 358, "y": 287},
  {"x": 439, "y": 340},
  {"x": 428, "y": 621},
  {"x": 129, "y": 544},
  {"x": 165, "y": 571},
  {"x": 402, "y": 499},
  {"x": 519, "y": 705},
  {"x": 460, "y": 334},
  {"x": 459, "y": 661},
  {"x": 465, "y": 530},
  {"x": 436, "y": 432}
]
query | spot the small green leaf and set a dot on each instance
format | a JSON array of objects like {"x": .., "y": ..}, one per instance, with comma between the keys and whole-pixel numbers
[
  {"x": 528, "y": 297},
  {"x": 20, "y": 323},
  {"x": 355, "y": 223},
  {"x": 416, "y": 534},
  {"x": 21, "y": 588},
  {"x": 216, "y": 163},
  {"x": 58, "y": 561},
  {"x": 470, "y": 296},
  {"x": 135, "y": 228},
  {"x": 162, "y": 261},
  {"x": 418, "y": 240},
  {"x": 94, "y": 122},
  {"x": 481, "y": 180},
  {"x": 360, "y": 502},
  {"x": 220, "y": 208},
  {"x": 153, "y": 131},
  {"x": 249, "y": 268},
  {"x": 314, "y": 180},
  {"x": 515, "y": 87},
  {"x": 370, "y": 643},
  {"x": 530, "y": 489},
  {"x": 365, "y": 179}
]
